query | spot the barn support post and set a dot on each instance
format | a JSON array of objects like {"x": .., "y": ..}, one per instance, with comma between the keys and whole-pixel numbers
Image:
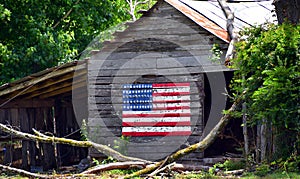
[
  {"x": 24, "y": 121},
  {"x": 49, "y": 160},
  {"x": 31, "y": 146}
]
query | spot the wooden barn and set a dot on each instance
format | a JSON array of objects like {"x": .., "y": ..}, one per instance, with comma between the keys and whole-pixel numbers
[
  {"x": 157, "y": 83},
  {"x": 154, "y": 88}
]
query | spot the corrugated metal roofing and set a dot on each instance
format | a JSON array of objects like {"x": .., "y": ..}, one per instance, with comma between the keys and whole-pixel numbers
[{"x": 247, "y": 13}]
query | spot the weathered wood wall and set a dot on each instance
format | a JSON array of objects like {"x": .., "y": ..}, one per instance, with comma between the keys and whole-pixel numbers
[
  {"x": 42, "y": 115},
  {"x": 162, "y": 46}
]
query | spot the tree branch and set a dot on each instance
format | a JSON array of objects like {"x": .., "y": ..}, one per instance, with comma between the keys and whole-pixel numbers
[
  {"x": 230, "y": 29},
  {"x": 51, "y": 139},
  {"x": 65, "y": 16},
  {"x": 23, "y": 172},
  {"x": 202, "y": 145}
]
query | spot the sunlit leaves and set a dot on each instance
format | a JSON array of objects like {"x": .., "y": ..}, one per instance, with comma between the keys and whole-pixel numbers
[
  {"x": 37, "y": 34},
  {"x": 269, "y": 61}
]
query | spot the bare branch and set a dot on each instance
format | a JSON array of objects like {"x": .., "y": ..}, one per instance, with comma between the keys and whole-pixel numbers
[
  {"x": 66, "y": 15},
  {"x": 51, "y": 139},
  {"x": 230, "y": 29},
  {"x": 201, "y": 146},
  {"x": 142, "y": 2},
  {"x": 23, "y": 172},
  {"x": 116, "y": 165}
]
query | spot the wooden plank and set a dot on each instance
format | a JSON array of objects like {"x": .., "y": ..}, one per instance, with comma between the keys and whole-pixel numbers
[
  {"x": 67, "y": 88},
  {"x": 30, "y": 103},
  {"x": 55, "y": 81},
  {"x": 34, "y": 81},
  {"x": 25, "y": 144}
]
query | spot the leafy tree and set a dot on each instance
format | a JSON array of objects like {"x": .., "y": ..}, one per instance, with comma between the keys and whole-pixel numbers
[
  {"x": 269, "y": 61},
  {"x": 37, "y": 34}
]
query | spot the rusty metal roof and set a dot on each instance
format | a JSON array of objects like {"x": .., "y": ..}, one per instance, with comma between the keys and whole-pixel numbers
[{"x": 209, "y": 15}]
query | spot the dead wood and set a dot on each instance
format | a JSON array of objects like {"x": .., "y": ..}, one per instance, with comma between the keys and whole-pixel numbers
[
  {"x": 201, "y": 146},
  {"x": 51, "y": 139},
  {"x": 231, "y": 30},
  {"x": 23, "y": 172},
  {"x": 116, "y": 165},
  {"x": 160, "y": 169},
  {"x": 185, "y": 167},
  {"x": 235, "y": 172}
]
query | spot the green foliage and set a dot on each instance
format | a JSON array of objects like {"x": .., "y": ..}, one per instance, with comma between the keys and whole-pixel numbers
[
  {"x": 267, "y": 64},
  {"x": 121, "y": 145},
  {"x": 291, "y": 164},
  {"x": 96, "y": 162},
  {"x": 109, "y": 159},
  {"x": 262, "y": 170},
  {"x": 39, "y": 34},
  {"x": 84, "y": 131},
  {"x": 230, "y": 165},
  {"x": 216, "y": 53}
]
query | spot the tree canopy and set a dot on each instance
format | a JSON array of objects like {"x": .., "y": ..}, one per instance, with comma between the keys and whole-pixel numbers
[{"x": 36, "y": 34}]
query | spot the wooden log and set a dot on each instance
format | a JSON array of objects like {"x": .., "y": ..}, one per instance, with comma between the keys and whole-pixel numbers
[{"x": 51, "y": 139}]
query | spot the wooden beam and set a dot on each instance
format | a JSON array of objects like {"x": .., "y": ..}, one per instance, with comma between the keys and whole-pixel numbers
[
  {"x": 49, "y": 90},
  {"x": 31, "y": 103},
  {"x": 62, "y": 90},
  {"x": 26, "y": 85},
  {"x": 54, "y": 81}
]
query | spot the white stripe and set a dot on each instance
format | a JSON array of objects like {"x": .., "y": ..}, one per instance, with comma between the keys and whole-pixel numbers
[
  {"x": 170, "y": 98},
  {"x": 159, "y": 119},
  {"x": 158, "y": 111},
  {"x": 156, "y": 129},
  {"x": 170, "y": 90},
  {"x": 164, "y": 105}
]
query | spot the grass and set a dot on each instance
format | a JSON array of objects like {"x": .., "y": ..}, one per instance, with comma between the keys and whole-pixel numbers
[{"x": 192, "y": 175}]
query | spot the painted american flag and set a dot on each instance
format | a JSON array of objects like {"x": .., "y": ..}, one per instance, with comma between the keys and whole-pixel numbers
[{"x": 158, "y": 109}]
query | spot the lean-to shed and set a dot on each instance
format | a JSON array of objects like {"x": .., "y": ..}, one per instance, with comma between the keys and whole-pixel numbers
[
  {"x": 43, "y": 101},
  {"x": 158, "y": 84}
]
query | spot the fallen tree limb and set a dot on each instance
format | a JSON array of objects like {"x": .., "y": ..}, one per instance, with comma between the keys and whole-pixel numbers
[
  {"x": 202, "y": 145},
  {"x": 116, "y": 165},
  {"x": 23, "y": 172},
  {"x": 140, "y": 165},
  {"x": 51, "y": 139},
  {"x": 158, "y": 170},
  {"x": 235, "y": 172}
]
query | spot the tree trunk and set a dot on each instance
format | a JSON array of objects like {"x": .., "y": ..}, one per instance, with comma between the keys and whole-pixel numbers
[
  {"x": 258, "y": 142},
  {"x": 245, "y": 131},
  {"x": 287, "y": 10},
  {"x": 263, "y": 141}
]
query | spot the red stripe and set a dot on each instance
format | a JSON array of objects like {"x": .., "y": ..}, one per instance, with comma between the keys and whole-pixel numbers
[
  {"x": 170, "y": 94},
  {"x": 157, "y": 115},
  {"x": 175, "y": 133},
  {"x": 160, "y": 85},
  {"x": 171, "y": 108},
  {"x": 170, "y": 101},
  {"x": 181, "y": 123}
]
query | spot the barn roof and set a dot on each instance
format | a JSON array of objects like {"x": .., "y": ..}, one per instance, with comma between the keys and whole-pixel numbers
[
  {"x": 45, "y": 84},
  {"x": 209, "y": 14}
]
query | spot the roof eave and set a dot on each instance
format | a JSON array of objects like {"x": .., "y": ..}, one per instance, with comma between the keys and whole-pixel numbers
[{"x": 200, "y": 20}]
